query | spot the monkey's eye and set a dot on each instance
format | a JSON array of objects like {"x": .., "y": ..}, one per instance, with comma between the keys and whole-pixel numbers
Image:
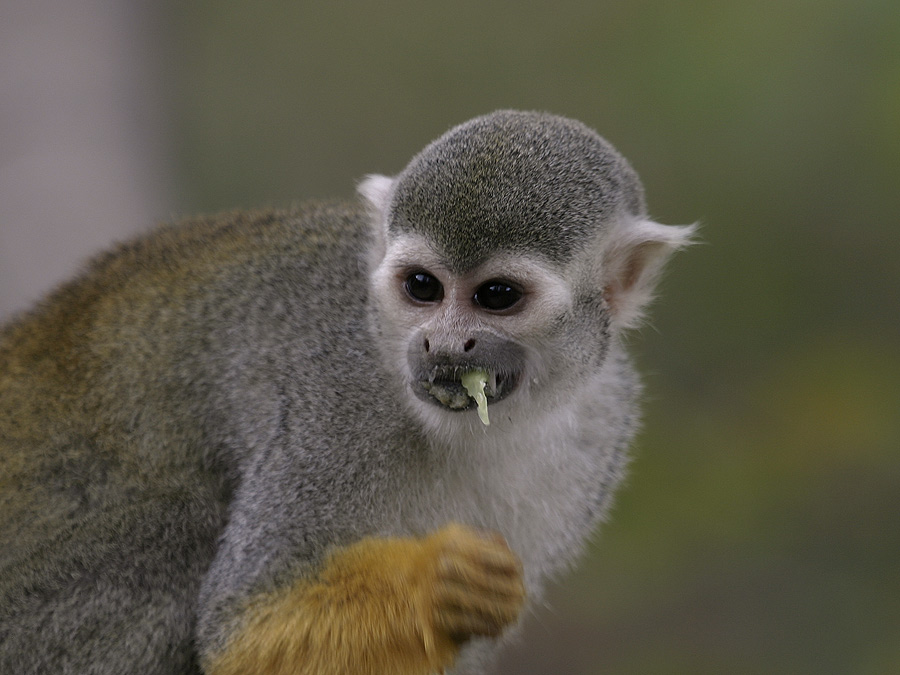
[
  {"x": 497, "y": 295},
  {"x": 423, "y": 287}
]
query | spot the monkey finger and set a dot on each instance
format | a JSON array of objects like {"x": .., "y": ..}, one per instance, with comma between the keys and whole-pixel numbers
[
  {"x": 501, "y": 612},
  {"x": 488, "y": 590},
  {"x": 472, "y": 578},
  {"x": 460, "y": 624},
  {"x": 481, "y": 560}
]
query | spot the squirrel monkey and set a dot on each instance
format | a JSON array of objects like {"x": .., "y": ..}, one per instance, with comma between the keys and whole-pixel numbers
[{"x": 242, "y": 443}]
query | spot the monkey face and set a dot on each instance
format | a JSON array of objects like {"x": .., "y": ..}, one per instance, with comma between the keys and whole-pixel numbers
[
  {"x": 440, "y": 355},
  {"x": 504, "y": 318}
]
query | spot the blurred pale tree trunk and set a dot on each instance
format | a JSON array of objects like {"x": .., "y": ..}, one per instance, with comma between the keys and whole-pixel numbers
[{"x": 82, "y": 135}]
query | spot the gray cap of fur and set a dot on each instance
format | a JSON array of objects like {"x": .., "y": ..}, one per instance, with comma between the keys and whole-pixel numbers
[{"x": 517, "y": 181}]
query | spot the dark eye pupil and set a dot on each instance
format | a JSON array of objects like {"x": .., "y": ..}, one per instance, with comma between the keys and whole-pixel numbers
[
  {"x": 424, "y": 287},
  {"x": 497, "y": 295}
]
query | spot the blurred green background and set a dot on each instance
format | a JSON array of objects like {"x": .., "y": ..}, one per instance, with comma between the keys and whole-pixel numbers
[{"x": 759, "y": 531}]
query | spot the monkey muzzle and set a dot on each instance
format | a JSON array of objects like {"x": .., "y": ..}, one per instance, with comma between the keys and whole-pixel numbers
[
  {"x": 443, "y": 385},
  {"x": 437, "y": 372}
]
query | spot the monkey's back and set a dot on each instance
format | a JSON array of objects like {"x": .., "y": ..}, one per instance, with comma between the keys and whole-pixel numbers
[{"x": 129, "y": 400}]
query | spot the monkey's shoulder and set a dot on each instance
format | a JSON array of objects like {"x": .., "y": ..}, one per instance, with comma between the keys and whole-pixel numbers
[
  {"x": 193, "y": 265},
  {"x": 242, "y": 242}
]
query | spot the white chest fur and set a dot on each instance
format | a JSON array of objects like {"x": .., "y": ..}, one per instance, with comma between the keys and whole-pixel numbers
[{"x": 542, "y": 481}]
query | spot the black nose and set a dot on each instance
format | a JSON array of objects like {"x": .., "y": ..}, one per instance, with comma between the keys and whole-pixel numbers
[{"x": 468, "y": 345}]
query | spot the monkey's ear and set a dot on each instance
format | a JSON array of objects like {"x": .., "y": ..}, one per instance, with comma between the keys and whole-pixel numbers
[
  {"x": 376, "y": 190},
  {"x": 634, "y": 255}
]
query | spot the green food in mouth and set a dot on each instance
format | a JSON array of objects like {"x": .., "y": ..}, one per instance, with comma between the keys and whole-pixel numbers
[{"x": 475, "y": 381}]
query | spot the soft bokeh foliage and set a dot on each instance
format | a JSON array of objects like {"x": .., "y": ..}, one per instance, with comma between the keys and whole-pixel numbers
[{"x": 759, "y": 530}]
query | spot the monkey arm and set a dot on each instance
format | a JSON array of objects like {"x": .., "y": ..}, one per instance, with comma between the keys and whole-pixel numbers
[{"x": 382, "y": 605}]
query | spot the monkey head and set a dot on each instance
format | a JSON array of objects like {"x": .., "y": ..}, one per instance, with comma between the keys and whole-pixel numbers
[{"x": 516, "y": 244}]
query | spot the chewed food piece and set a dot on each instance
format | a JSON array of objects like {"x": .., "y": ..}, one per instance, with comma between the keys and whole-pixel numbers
[
  {"x": 446, "y": 394},
  {"x": 475, "y": 381}
]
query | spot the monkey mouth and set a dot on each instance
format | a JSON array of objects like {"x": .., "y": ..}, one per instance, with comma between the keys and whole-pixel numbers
[{"x": 443, "y": 386}]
